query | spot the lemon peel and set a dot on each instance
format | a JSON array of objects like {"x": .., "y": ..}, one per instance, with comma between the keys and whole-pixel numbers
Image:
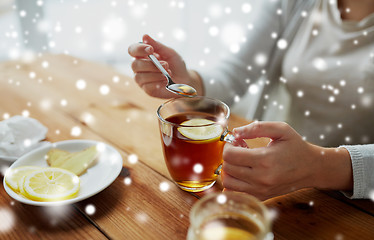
[
  {"x": 14, "y": 175},
  {"x": 201, "y": 129},
  {"x": 51, "y": 184}
]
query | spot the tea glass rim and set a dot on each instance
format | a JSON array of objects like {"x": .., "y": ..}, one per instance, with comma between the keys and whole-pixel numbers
[
  {"x": 264, "y": 210},
  {"x": 226, "y": 117},
  {"x": 209, "y": 197}
]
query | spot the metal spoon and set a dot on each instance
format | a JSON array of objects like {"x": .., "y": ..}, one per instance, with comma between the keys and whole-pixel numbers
[{"x": 180, "y": 89}]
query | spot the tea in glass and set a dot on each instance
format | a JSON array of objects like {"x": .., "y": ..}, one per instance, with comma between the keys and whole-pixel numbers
[
  {"x": 193, "y": 155},
  {"x": 229, "y": 216},
  {"x": 191, "y": 132}
]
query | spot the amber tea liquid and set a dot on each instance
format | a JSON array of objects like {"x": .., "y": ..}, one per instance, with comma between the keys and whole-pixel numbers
[
  {"x": 229, "y": 226},
  {"x": 191, "y": 163}
]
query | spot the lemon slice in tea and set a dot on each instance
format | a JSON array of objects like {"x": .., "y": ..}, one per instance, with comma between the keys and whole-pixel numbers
[
  {"x": 51, "y": 184},
  {"x": 201, "y": 129},
  {"x": 222, "y": 233},
  {"x": 13, "y": 176}
]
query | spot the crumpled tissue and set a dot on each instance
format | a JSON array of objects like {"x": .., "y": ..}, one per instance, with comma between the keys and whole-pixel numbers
[{"x": 19, "y": 135}]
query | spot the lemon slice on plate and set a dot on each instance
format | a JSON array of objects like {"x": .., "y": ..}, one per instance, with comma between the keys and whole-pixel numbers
[
  {"x": 201, "y": 129},
  {"x": 14, "y": 175},
  {"x": 51, "y": 184}
]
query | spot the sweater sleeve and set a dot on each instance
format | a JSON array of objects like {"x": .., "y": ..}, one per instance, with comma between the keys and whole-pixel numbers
[
  {"x": 234, "y": 74},
  {"x": 362, "y": 157}
]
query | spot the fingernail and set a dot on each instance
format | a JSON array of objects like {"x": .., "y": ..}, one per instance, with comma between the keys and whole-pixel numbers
[
  {"x": 157, "y": 55},
  {"x": 165, "y": 65},
  {"x": 148, "y": 50}
]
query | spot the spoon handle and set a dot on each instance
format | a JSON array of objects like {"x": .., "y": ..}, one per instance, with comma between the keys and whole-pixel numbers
[{"x": 158, "y": 65}]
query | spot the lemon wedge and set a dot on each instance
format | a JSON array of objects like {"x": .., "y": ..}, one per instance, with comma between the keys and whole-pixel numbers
[
  {"x": 201, "y": 129},
  {"x": 77, "y": 162},
  {"x": 55, "y": 157},
  {"x": 14, "y": 175},
  {"x": 51, "y": 184}
]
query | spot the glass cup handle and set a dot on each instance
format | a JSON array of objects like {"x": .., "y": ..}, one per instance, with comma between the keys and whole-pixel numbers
[{"x": 226, "y": 136}]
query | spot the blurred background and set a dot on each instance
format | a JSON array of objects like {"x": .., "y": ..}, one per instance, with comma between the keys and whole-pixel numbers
[{"x": 102, "y": 30}]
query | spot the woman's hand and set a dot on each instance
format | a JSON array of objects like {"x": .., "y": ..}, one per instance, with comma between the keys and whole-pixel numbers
[
  {"x": 287, "y": 164},
  {"x": 150, "y": 79}
]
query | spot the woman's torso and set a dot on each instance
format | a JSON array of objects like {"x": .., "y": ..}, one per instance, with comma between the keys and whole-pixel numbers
[{"x": 329, "y": 72}]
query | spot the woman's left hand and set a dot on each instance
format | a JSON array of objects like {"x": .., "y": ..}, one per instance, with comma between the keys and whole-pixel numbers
[{"x": 287, "y": 164}]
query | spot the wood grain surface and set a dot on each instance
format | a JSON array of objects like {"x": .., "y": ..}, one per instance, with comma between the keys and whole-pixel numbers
[{"x": 135, "y": 206}]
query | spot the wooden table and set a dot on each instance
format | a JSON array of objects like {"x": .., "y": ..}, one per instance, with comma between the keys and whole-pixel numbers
[{"x": 125, "y": 118}]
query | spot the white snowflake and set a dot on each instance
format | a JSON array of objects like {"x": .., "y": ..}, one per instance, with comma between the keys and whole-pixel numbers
[
  {"x": 198, "y": 168},
  {"x": 115, "y": 79},
  {"x": 90, "y": 209},
  {"x": 221, "y": 199},
  {"x": 7, "y": 220},
  {"x": 253, "y": 89},
  {"x": 260, "y": 59},
  {"x": 164, "y": 186},
  {"x": 81, "y": 84},
  {"x": 104, "y": 89},
  {"x": 63, "y": 102},
  {"x": 300, "y": 93},
  {"x": 127, "y": 181},
  {"x": 25, "y": 113},
  {"x": 213, "y": 31},
  {"x": 142, "y": 217},
  {"x": 87, "y": 118},
  {"x": 246, "y": 8},
  {"x": 45, "y": 64},
  {"x": 132, "y": 158},
  {"x": 75, "y": 131},
  {"x": 78, "y": 29},
  {"x": 282, "y": 44}
]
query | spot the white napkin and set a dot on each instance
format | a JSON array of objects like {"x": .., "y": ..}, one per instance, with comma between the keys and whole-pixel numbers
[{"x": 19, "y": 135}]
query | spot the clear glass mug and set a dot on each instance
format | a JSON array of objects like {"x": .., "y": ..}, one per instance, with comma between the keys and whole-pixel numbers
[
  {"x": 229, "y": 215},
  {"x": 193, "y": 133}
]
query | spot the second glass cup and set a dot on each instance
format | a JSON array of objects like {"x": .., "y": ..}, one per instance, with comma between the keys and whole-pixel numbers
[
  {"x": 229, "y": 215},
  {"x": 193, "y": 133}
]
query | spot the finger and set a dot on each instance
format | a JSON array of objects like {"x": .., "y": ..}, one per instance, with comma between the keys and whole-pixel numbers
[
  {"x": 273, "y": 130},
  {"x": 160, "y": 48},
  {"x": 239, "y": 142},
  {"x": 240, "y": 172},
  {"x": 150, "y": 77},
  {"x": 157, "y": 56},
  {"x": 140, "y": 50},
  {"x": 234, "y": 184},
  {"x": 243, "y": 156},
  {"x": 231, "y": 183},
  {"x": 146, "y": 65}
]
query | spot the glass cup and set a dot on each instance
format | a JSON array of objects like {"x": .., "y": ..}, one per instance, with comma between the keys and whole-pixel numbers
[
  {"x": 229, "y": 215},
  {"x": 193, "y": 133}
]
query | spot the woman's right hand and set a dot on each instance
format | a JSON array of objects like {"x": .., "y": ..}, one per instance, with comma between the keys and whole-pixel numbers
[{"x": 149, "y": 78}]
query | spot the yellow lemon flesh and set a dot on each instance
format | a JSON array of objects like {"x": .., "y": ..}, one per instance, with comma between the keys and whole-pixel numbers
[
  {"x": 226, "y": 233},
  {"x": 14, "y": 175},
  {"x": 51, "y": 184},
  {"x": 201, "y": 129}
]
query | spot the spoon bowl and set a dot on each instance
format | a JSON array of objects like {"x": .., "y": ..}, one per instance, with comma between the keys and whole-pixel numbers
[{"x": 177, "y": 88}]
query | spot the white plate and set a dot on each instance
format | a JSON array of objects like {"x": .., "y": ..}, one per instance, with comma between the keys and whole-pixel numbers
[
  {"x": 7, "y": 161},
  {"x": 106, "y": 169}
]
